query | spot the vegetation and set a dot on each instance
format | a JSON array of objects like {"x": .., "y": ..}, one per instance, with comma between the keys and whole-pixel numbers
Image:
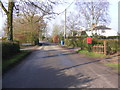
[
  {"x": 9, "y": 49},
  {"x": 9, "y": 14},
  {"x": 28, "y": 32},
  {"x": 24, "y": 9},
  {"x": 116, "y": 66},
  {"x": 112, "y": 44},
  {"x": 57, "y": 33},
  {"x": 90, "y": 54},
  {"x": 93, "y": 13},
  {"x": 6, "y": 64},
  {"x": 109, "y": 37}
]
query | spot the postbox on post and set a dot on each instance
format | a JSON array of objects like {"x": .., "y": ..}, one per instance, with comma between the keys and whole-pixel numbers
[{"x": 89, "y": 40}]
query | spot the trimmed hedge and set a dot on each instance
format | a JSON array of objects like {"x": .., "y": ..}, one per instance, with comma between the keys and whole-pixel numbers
[
  {"x": 112, "y": 44},
  {"x": 109, "y": 37},
  {"x": 9, "y": 49}
]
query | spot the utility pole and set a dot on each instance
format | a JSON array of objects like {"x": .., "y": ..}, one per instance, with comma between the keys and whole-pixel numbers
[{"x": 65, "y": 26}]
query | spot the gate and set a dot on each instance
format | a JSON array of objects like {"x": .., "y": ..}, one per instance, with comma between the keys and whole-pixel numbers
[{"x": 100, "y": 48}]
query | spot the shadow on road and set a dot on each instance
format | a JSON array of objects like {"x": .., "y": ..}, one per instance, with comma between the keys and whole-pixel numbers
[
  {"x": 53, "y": 78},
  {"x": 45, "y": 77},
  {"x": 34, "y": 74},
  {"x": 58, "y": 55},
  {"x": 80, "y": 65}
]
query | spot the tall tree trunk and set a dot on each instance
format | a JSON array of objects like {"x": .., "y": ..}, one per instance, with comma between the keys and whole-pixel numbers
[{"x": 10, "y": 20}]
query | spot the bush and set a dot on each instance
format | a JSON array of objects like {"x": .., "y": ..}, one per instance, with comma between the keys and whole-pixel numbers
[
  {"x": 96, "y": 41},
  {"x": 4, "y": 38},
  {"x": 68, "y": 42},
  {"x": 75, "y": 42},
  {"x": 112, "y": 44},
  {"x": 36, "y": 41},
  {"x": 8, "y": 63},
  {"x": 9, "y": 49}
]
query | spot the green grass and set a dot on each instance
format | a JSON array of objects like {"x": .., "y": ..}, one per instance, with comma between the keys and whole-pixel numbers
[
  {"x": 116, "y": 66},
  {"x": 90, "y": 54},
  {"x": 6, "y": 64}
]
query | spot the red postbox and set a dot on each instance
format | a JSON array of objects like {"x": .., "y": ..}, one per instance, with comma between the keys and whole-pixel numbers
[{"x": 89, "y": 40}]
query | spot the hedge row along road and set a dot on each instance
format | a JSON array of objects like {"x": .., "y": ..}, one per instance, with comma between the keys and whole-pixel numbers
[{"x": 51, "y": 66}]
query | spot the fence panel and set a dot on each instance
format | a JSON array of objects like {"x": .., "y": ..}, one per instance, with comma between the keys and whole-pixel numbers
[{"x": 100, "y": 48}]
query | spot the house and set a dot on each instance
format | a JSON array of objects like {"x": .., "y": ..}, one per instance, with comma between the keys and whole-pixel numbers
[
  {"x": 95, "y": 30},
  {"x": 101, "y": 31}
]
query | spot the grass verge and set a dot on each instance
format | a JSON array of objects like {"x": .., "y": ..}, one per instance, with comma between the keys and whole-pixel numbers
[
  {"x": 115, "y": 66},
  {"x": 90, "y": 54},
  {"x": 8, "y": 63}
]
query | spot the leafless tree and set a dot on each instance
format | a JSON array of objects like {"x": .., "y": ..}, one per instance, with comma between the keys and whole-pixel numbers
[
  {"x": 9, "y": 13},
  {"x": 30, "y": 29},
  {"x": 45, "y": 7},
  {"x": 93, "y": 12},
  {"x": 73, "y": 22}
]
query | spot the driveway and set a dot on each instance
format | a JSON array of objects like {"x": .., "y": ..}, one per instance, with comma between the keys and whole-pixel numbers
[{"x": 51, "y": 66}]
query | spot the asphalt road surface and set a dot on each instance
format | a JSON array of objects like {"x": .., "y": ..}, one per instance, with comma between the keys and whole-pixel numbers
[{"x": 51, "y": 66}]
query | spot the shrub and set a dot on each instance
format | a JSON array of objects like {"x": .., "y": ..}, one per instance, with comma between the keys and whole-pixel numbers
[
  {"x": 9, "y": 49},
  {"x": 112, "y": 45},
  {"x": 96, "y": 41},
  {"x": 4, "y": 38},
  {"x": 75, "y": 42},
  {"x": 68, "y": 42},
  {"x": 36, "y": 41},
  {"x": 84, "y": 33}
]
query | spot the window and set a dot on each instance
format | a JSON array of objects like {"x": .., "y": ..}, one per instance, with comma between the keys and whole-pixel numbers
[{"x": 103, "y": 31}]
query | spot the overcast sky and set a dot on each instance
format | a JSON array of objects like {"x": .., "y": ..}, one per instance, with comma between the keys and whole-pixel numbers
[{"x": 113, "y": 11}]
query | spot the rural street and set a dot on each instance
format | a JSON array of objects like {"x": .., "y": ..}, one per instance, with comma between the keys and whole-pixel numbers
[{"x": 51, "y": 66}]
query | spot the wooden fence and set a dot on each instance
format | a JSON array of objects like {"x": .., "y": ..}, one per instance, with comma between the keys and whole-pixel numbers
[{"x": 100, "y": 48}]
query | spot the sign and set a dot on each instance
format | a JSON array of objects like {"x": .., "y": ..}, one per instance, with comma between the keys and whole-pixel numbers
[{"x": 89, "y": 40}]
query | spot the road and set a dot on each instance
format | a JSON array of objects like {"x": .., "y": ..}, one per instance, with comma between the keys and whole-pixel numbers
[{"x": 51, "y": 66}]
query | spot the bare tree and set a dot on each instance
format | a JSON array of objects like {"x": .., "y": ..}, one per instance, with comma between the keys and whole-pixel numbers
[
  {"x": 9, "y": 13},
  {"x": 57, "y": 30},
  {"x": 73, "y": 22},
  {"x": 93, "y": 12},
  {"x": 31, "y": 30},
  {"x": 44, "y": 7}
]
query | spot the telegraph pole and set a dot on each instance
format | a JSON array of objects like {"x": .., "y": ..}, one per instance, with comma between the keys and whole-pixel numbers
[{"x": 65, "y": 26}]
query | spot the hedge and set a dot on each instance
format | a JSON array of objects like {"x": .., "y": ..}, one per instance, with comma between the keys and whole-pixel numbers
[
  {"x": 112, "y": 44},
  {"x": 109, "y": 37},
  {"x": 9, "y": 49}
]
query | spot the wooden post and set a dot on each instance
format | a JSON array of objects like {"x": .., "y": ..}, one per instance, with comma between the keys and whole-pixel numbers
[{"x": 105, "y": 51}]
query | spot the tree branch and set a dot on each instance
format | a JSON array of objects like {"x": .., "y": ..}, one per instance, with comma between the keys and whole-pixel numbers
[
  {"x": 45, "y": 11},
  {"x": 2, "y": 6}
]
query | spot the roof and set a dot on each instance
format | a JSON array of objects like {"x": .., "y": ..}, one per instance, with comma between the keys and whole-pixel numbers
[{"x": 101, "y": 27}]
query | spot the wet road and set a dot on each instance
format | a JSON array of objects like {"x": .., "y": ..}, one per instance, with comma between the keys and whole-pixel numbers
[{"x": 51, "y": 66}]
